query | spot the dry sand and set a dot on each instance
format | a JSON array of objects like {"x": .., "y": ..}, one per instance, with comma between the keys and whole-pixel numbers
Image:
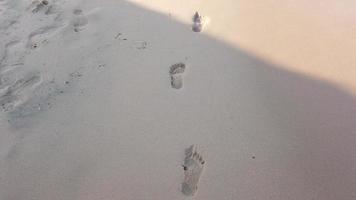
[{"x": 91, "y": 110}]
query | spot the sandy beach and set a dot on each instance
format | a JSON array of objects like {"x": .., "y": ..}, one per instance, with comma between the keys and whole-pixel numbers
[{"x": 146, "y": 100}]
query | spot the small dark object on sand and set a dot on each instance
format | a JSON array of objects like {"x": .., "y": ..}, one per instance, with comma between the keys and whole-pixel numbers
[{"x": 197, "y": 22}]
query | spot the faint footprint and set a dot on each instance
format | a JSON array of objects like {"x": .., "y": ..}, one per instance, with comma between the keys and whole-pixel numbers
[
  {"x": 176, "y": 72},
  {"x": 7, "y": 23},
  {"x": 52, "y": 9},
  {"x": 40, "y": 35},
  {"x": 7, "y": 78},
  {"x": 140, "y": 45},
  {"x": 19, "y": 91},
  {"x": 77, "y": 11},
  {"x": 79, "y": 21},
  {"x": 38, "y": 5},
  {"x": 193, "y": 168},
  {"x": 11, "y": 53}
]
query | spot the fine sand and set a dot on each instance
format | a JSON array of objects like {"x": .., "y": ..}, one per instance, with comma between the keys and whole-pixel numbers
[{"x": 159, "y": 100}]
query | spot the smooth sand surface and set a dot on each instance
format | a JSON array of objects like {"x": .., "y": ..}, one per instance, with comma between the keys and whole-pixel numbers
[
  {"x": 88, "y": 110},
  {"x": 314, "y": 38}
]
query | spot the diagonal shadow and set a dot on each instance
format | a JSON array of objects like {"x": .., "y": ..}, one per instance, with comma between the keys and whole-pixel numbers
[{"x": 317, "y": 116}]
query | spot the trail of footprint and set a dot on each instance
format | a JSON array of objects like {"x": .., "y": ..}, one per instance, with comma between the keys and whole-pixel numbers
[
  {"x": 176, "y": 72},
  {"x": 193, "y": 168},
  {"x": 22, "y": 91}
]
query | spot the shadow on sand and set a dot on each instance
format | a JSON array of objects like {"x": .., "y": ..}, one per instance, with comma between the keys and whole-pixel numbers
[{"x": 268, "y": 103}]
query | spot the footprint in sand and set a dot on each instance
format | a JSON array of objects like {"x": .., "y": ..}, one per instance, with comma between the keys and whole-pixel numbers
[
  {"x": 52, "y": 9},
  {"x": 41, "y": 35},
  {"x": 13, "y": 55},
  {"x": 44, "y": 6},
  {"x": 77, "y": 11},
  {"x": 10, "y": 49},
  {"x": 176, "y": 72},
  {"x": 39, "y": 5},
  {"x": 193, "y": 168},
  {"x": 140, "y": 45},
  {"x": 16, "y": 89},
  {"x": 24, "y": 91},
  {"x": 79, "y": 21}
]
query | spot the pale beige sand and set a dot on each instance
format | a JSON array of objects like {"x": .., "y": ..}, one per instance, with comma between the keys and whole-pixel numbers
[{"x": 88, "y": 110}]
